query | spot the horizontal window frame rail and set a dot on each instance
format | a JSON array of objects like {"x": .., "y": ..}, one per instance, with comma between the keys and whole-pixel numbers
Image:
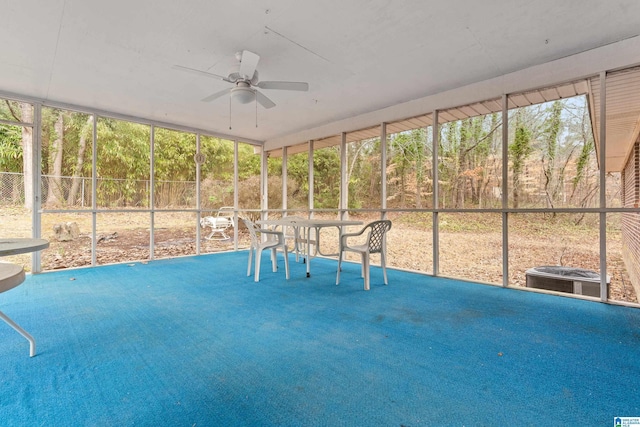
[
  {"x": 15, "y": 123},
  {"x": 410, "y": 210}
]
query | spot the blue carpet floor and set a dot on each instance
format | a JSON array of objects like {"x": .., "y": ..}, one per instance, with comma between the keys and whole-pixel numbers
[{"x": 194, "y": 342}]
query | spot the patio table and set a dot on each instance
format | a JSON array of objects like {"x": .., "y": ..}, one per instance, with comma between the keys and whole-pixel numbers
[
  {"x": 12, "y": 275},
  {"x": 306, "y": 225},
  {"x": 19, "y": 245}
]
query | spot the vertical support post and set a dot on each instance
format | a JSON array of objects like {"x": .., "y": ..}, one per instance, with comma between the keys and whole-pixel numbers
[
  {"x": 94, "y": 191},
  {"x": 36, "y": 174},
  {"x": 285, "y": 180},
  {"x": 198, "y": 198},
  {"x": 264, "y": 184},
  {"x": 311, "y": 177},
  {"x": 603, "y": 184},
  {"x": 152, "y": 195},
  {"x": 383, "y": 169},
  {"x": 436, "y": 238},
  {"x": 344, "y": 182},
  {"x": 505, "y": 190},
  {"x": 236, "y": 219}
]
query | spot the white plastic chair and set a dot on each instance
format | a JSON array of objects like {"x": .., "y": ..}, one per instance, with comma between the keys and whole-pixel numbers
[
  {"x": 228, "y": 213},
  {"x": 219, "y": 224},
  {"x": 375, "y": 243},
  {"x": 274, "y": 241},
  {"x": 292, "y": 233}
]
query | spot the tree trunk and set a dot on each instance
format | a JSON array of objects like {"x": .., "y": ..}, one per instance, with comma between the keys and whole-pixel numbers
[
  {"x": 419, "y": 183},
  {"x": 353, "y": 160},
  {"x": 54, "y": 195},
  {"x": 77, "y": 173},
  {"x": 403, "y": 183},
  {"x": 27, "y": 155},
  {"x": 516, "y": 190}
]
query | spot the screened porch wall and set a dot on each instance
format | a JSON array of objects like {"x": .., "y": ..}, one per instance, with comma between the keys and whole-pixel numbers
[{"x": 631, "y": 220}]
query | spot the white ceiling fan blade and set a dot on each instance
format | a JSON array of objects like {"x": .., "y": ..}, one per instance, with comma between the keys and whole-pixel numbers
[
  {"x": 300, "y": 86},
  {"x": 264, "y": 101},
  {"x": 201, "y": 73},
  {"x": 248, "y": 64},
  {"x": 215, "y": 96}
]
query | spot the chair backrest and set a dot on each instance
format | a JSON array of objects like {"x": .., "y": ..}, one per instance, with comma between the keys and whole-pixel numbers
[
  {"x": 218, "y": 223},
  {"x": 227, "y": 212},
  {"x": 376, "y": 235},
  {"x": 253, "y": 231}
]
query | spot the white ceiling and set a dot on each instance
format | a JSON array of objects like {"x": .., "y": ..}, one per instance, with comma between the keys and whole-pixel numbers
[{"x": 358, "y": 56}]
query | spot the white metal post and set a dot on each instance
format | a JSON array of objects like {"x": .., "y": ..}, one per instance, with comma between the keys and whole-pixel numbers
[
  {"x": 344, "y": 184},
  {"x": 94, "y": 192},
  {"x": 198, "y": 201},
  {"x": 603, "y": 183},
  {"x": 436, "y": 238},
  {"x": 284, "y": 180},
  {"x": 152, "y": 200},
  {"x": 310, "y": 167},
  {"x": 264, "y": 188},
  {"x": 236, "y": 219},
  {"x": 505, "y": 190},
  {"x": 36, "y": 174},
  {"x": 383, "y": 169}
]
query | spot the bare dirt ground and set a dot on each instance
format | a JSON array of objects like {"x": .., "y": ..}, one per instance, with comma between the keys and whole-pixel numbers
[{"x": 470, "y": 244}]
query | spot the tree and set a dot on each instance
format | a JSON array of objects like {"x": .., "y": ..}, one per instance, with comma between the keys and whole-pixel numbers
[
  {"x": 123, "y": 163},
  {"x": 86, "y": 133},
  {"x": 553, "y": 126},
  {"x": 469, "y": 160},
  {"x": 326, "y": 177},
  {"x": 249, "y": 168},
  {"x": 422, "y": 158},
  {"x": 10, "y": 148},
  {"x": 363, "y": 159},
  {"x": 55, "y": 196},
  {"x": 298, "y": 180},
  {"x": 519, "y": 150},
  {"x": 408, "y": 151},
  {"x": 23, "y": 112},
  {"x": 448, "y": 144},
  {"x": 585, "y": 183},
  {"x": 11, "y": 156},
  {"x": 216, "y": 173}
]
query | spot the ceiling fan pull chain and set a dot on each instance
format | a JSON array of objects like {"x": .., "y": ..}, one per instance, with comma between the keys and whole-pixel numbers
[
  {"x": 229, "y": 113},
  {"x": 256, "y": 97}
]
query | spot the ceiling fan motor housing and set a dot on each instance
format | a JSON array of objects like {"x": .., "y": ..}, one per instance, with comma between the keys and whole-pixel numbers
[{"x": 234, "y": 76}]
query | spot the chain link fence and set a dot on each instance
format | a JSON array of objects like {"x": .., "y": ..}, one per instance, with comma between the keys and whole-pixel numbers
[
  {"x": 11, "y": 188},
  {"x": 76, "y": 192}
]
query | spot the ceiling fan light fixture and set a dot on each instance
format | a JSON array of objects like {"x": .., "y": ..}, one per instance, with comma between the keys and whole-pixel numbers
[{"x": 243, "y": 95}]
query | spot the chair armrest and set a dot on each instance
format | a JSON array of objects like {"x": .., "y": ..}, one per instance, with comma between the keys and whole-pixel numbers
[
  {"x": 279, "y": 235},
  {"x": 267, "y": 231},
  {"x": 359, "y": 233},
  {"x": 343, "y": 237},
  {"x": 353, "y": 234}
]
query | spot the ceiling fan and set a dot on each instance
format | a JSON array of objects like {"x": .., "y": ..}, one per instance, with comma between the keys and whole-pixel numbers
[{"x": 244, "y": 77}]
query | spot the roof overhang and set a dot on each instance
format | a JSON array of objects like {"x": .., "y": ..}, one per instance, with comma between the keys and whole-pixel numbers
[{"x": 622, "y": 114}]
